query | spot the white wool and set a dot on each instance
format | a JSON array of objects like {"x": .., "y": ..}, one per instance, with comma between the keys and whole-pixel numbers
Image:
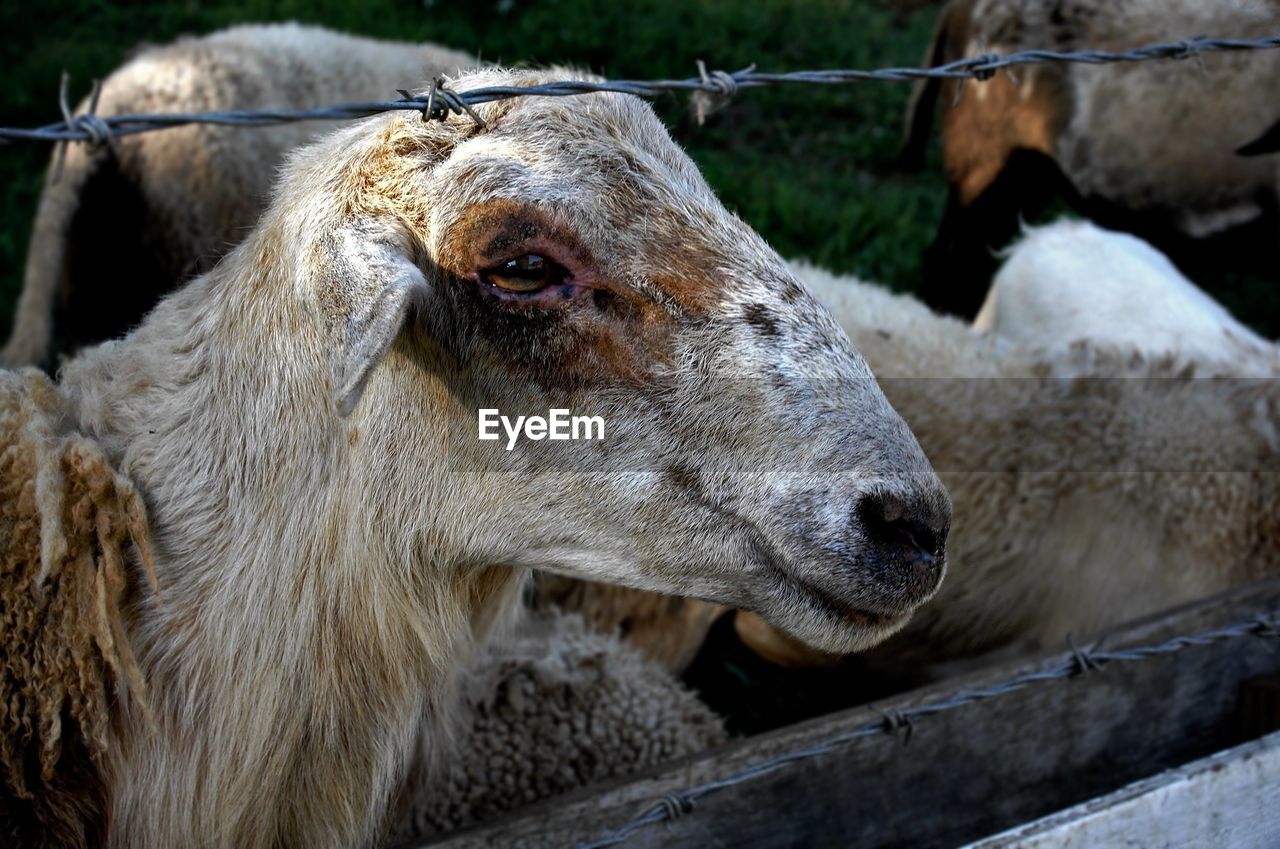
[{"x": 1071, "y": 281}]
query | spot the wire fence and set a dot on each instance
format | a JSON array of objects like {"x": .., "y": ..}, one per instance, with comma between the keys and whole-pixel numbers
[
  {"x": 440, "y": 101},
  {"x": 1077, "y": 662}
]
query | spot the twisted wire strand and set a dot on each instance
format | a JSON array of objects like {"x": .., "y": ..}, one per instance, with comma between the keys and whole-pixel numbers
[{"x": 441, "y": 101}]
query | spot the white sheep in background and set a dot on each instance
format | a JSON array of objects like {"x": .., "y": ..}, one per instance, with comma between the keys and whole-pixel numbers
[
  {"x": 127, "y": 222},
  {"x": 1147, "y": 147},
  {"x": 1072, "y": 281},
  {"x": 330, "y": 539}
]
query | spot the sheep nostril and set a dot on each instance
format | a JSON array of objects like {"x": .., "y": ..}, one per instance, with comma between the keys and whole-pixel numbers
[{"x": 913, "y": 530}]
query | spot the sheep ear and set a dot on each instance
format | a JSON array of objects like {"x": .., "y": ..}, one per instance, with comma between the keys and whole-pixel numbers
[{"x": 384, "y": 286}]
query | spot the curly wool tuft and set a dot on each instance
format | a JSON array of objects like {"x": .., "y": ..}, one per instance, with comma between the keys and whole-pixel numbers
[
  {"x": 68, "y": 526},
  {"x": 558, "y": 707}
]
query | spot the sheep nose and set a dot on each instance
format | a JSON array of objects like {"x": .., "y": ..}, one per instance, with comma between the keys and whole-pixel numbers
[{"x": 909, "y": 536}]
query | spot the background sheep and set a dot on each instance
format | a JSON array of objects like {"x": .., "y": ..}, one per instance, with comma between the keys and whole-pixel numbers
[
  {"x": 559, "y": 707},
  {"x": 1072, "y": 281},
  {"x": 1146, "y": 147},
  {"x": 127, "y": 222},
  {"x": 1091, "y": 484},
  {"x": 332, "y": 539}
]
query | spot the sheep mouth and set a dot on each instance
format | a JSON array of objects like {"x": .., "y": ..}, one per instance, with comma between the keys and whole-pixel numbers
[
  {"x": 834, "y": 608},
  {"x": 797, "y": 591}
]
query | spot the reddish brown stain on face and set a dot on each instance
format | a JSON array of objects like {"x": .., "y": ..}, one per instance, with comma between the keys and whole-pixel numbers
[
  {"x": 688, "y": 260},
  {"x": 671, "y": 254},
  {"x": 490, "y": 233},
  {"x": 628, "y": 298},
  {"x": 610, "y": 326}
]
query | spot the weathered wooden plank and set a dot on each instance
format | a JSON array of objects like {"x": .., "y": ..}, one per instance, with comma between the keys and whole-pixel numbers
[
  {"x": 1227, "y": 801},
  {"x": 964, "y": 774}
]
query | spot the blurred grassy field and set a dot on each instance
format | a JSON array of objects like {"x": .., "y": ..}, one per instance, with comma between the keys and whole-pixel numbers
[{"x": 810, "y": 168}]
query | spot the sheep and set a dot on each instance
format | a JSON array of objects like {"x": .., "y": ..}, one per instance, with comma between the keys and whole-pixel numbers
[
  {"x": 1091, "y": 483},
  {"x": 127, "y": 222},
  {"x": 1072, "y": 280},
  {"x": 330, "y": 539},
  {"x": 1147, "y": 147},
  {"x": 560, "y": 707}
]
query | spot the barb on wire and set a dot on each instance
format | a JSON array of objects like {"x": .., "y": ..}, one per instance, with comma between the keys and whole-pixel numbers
[
  {"x": 449, "y": 103},
  {"x": 440, "y": 101},
  {"x": 895, "y": 721},
  {"x": 1084, "y": 658},
  {"x": 718, "y": 89},
  {"x": 98, "y": 130},
  {"x": 673, "y": 805}
]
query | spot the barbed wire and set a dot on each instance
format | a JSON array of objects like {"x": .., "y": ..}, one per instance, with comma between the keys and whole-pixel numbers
[
  {"x": 440, "y": 101},
  {"x": 1078, "y": 661}
]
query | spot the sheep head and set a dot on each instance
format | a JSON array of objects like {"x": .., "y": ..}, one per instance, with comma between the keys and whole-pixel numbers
[{"x": 568, "y": 255}]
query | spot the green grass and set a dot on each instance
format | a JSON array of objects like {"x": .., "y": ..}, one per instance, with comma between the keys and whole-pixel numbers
[{"x": 810, "y": 168}]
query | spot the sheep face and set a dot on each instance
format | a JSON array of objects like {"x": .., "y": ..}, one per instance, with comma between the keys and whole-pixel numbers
[{"x": 569, "y": 256}]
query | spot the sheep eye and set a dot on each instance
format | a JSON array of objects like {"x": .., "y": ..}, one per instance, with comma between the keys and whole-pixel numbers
[{"x": 525, "y": 274}]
